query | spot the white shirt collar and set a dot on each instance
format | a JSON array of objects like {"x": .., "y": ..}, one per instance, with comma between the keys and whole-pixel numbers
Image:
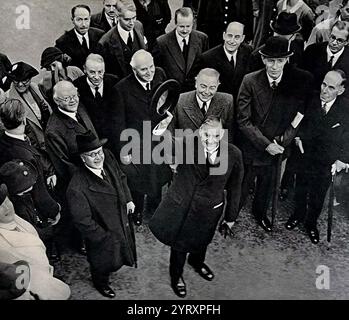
[
  {"x": 9, "y": 226},
  {"x": 84, "y": 36},
  {"x": 97, "y": 172},
  {"x": 278, "y": 80},
  {"x": 15, "y": 136},
  {"x": 110, "y": 20},
  {"x": 69, "y": 114},
  {"x": 92, "y": 87},
  {"x": 201, "y": 103},
  {"x": 143, "y": 84},
  {"x": 180, "y": 39},
  {"x": 335, "y": 55},
  {"x": 328, "y": 104},
  {"x": 212, "y": 154},
  {"x": 229, "y": 55},
  {"x": 124, "y": 34}
]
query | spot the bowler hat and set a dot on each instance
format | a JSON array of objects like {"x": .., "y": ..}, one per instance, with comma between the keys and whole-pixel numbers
[
  {"x": 50, "y": 55},
  {"x": 21, "y": 71},
  {"x": 285, "y": 23},
  {"x": 18, "y": 175},
  {"x": 276, "y": 47},
  {"x": 88, "y": 141},
  {"x": 165, "y": 97},
  {"x": 3, "y": 193}
]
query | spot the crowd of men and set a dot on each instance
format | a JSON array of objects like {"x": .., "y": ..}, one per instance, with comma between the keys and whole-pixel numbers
[{"x": 258, "y": 82}]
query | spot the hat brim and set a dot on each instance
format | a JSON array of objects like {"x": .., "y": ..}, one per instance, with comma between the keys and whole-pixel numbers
[
  {"x": 91, "y": 147},
  {"x": 172, "y": 87},
  {"x": 29, "y": 75},
  {"x": 270, "y": 55},
  {"x": 293, "y": 30}
]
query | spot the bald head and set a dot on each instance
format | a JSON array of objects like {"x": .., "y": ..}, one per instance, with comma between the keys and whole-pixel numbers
[
  {"x": 233, "y": 36},
  {"x": 207, "y": 82},
  {"x": 65, "y": 95},
  {"x": 142, "y": 64},
  {"x": 94, "y": 69}
]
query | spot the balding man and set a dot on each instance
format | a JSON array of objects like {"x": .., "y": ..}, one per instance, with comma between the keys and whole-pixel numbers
[
  {"x": 62, "y": 127},
  {"x": 95, "y": 89},
  {"x": 324, "y": 140},
  {"x": 195, "y": 106},
  {"x": 230, "y": 59},
  {"x": 119, "y": 44},
  {"x": 132, "y": 97}
]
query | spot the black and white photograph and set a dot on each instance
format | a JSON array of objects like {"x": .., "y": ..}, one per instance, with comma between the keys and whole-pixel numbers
[{"x": 174, "y": 155}]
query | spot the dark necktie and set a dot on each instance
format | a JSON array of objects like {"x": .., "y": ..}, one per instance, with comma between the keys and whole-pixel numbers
[
  {"x": 129, "y": 41},
  {"x": 113, "y": 23},
  {"x": 323, "y": 109},
  {"x": 27, "y": 140},
  {"x": 185, "y": 50},
  {"x": 232, "y": 62},
  {"x": 84, "y": 44},
  {"x": 105, "y": 176},
  {"x": 98, "y": 96},
  {"x": 203, "y": 108},
  {"x": 330, "y": 62},
  {"x": 273, "y": 85},
  {"x": 79, "y": 119},
  {"x": 148, "y": 86}
]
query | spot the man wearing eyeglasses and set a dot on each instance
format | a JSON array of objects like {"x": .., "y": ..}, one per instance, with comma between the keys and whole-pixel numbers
[
  {"x": 319, "y": 58},
  {"x": 99, "y": 201}
]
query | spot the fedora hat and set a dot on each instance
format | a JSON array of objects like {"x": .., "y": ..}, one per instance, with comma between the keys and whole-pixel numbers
[
  {"x": 18, "y": 175},
  {"x": 276, "y": 47},
  {"x": 88, "y": 141},
  {"x": 165, "y": 97},
  {"x": 285, "y": 23},
  {"x": 50, "y": 55},
  {"x": 21, "y": 71}
]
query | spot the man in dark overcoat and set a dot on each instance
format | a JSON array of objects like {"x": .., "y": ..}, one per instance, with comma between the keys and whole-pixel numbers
[
  {"x": 119, "y": 44},
  {"x": 132, "y": 100},
  {"x": 80, "y": 41},
  {"x": 271, "y": 105},
  {"x": 187, "y": 217},
  {"x": 99, "y": 200},
  {"x": 324, "y": 140},
  {"x": 107, "y": 18}
]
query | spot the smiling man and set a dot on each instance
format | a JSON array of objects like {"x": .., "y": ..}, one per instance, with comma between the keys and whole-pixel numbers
[
  {"x": 230, "y": 59},
  {"x": 194, "y": 106},
  {"x": 78, "y": 42}
]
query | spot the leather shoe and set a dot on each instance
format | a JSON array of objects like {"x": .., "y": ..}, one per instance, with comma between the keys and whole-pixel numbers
[
  {"x": 204, "y": 271},
  {"x": 265, "y": 224},
  {"x": 106, "y": 291},
  {"x": 137, "y": 218},
  {"x": 313, "y": 235},
  {"x": 291, "y": 223},
  {"x": 179, "y": 287}
]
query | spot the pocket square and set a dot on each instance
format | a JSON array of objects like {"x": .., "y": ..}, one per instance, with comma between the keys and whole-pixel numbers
[
  {"x": 218, "y": 205},
  {"x": 336, "y": 125}
]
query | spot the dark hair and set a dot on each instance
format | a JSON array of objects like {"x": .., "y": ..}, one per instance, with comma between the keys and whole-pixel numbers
[
  {"x": 185, "y": 12},
  {"x": 342, "y": 74},
  {"x": 12, "y": 114},
  {"x": 84, "y": 6}
]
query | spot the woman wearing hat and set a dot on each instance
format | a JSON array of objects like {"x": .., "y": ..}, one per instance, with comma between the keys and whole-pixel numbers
[
  {"x": 37, "y": 109},
  {"x": 56, "y": 68},
  {"x": 19, "y": 241}
]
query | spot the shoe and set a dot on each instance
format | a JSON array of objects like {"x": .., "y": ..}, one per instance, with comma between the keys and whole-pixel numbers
[
  {"x": 179, "y": 287},
  {"x": 291, "y": 223},
  {"x": 204, "y": 271},
  {"x": 137, "y": 218},
  {"x": 283, "y": 194},
  {"x": 106, "y": 291},
  {"x": 313, "y": 234},
  {"x": 265, "y": 224}
]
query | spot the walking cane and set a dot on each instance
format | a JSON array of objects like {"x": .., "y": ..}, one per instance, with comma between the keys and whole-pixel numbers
[
  {"x": 330, "y": 209},
  {"x": 277, "y": 175}
]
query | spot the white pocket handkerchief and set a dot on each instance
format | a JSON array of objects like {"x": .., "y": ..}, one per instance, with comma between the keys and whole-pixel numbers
[
  {"x": 218, "y": 205},
  {"x": 336, "y": 125}
]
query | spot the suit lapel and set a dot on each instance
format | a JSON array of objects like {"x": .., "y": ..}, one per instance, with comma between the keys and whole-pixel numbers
[
  {"x": 214, "y": 108},
  {"x": 175, "y": 51},
  {"x": 193, "y": 111},
  {"x": 76, "y": 44},
  {"x": 98, "y": 185},
  {"x": 193, "y": 49},
  {"x": 264, "y": 94}
]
